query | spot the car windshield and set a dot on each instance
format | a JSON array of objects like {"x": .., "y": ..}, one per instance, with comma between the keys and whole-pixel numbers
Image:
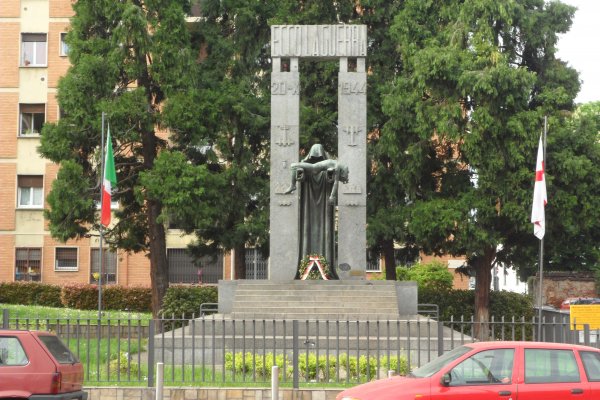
[{"x": 437, "y": 364}]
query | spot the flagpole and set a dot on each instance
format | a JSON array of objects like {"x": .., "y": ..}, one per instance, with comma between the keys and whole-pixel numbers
[
  {"x": 541, "y": 261},
  {"x": 102, "y": 154}
]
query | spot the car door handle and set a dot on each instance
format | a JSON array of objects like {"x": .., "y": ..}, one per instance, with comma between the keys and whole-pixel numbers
[
  {"x": 504, "y": 393},
  {"x": 576, "y": 391}
]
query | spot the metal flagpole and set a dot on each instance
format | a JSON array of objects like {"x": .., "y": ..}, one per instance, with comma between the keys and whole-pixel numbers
[
  {"x": 541, "y": 261},
  {"x": 102, "y": 154}
]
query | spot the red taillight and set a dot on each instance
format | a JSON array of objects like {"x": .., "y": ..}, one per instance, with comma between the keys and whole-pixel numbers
[{"x": 55, "y": 384}]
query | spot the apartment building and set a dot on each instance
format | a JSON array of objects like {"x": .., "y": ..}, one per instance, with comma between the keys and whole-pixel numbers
[{"x": 33, "y": 56}]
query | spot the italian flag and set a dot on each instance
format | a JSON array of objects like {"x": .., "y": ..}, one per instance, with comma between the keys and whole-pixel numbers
[{"x": 110, "y": 180}]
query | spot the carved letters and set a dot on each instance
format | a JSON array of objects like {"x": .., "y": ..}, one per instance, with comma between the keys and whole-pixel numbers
[
  {"x": 283, "y": 138},
  {"x": 351, "y": 87},
  {"x": 283, "y": 88},
  {"x": 352, "y": 131}
]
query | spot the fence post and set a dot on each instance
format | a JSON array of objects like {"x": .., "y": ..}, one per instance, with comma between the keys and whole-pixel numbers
[
  {"x": 295, "y": 363},
  {"x": 5, "y": 324},
  {"x": 151, "y": 353},
  {"x": 160, "y": 367},
  {"x": 586, "y": 334},
  {"x": 275, "y": 382},
  {"x": 440, "y": 339}
]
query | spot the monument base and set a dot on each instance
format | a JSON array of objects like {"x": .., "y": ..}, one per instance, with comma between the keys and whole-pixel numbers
[{"x": 317, "y": 299}]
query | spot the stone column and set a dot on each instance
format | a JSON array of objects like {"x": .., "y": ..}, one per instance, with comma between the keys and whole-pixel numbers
[
  {"x": 285, "y": 124},
  {"x": 352, "y": 151}
]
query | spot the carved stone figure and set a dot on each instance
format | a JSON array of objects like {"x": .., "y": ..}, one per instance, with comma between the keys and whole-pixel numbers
[{"x": 318, "y": 177}]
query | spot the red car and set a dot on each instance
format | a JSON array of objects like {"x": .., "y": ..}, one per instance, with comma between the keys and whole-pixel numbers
[
  {"x": 571, "y": 301},
  {"x": 495, "y": 370},
  {"x": 37, "y": 365}
]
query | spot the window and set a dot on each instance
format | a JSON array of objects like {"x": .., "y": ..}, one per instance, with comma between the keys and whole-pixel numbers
[
  {"x": 66, "y": 259},
  {"x": 33, "y": 50},
  {"x": 256, "y": 264},
  {"x": 373, "y": 261},
  {"x": 550, "y": 366},
  {"x": 64, "y": 47},
  {"x": 109, "y": 266},
  {"x": 183, "y": 268},
  {"x": 27, "y": 265},
  {"x": 57, "y": 348},
  {"x": 591, "y": 363},
  {"x": 12, "y": 352},
  {"x": 489, "y": 367},
  {"x": 32, "y": 119},
  {"x": 30, "y": 192}
]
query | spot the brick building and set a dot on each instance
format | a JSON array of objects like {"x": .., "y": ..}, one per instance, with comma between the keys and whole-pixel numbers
[{"x": 33, "y": 55}]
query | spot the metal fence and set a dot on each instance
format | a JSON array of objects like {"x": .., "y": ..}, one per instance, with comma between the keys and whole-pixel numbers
[{"x": 219, "y": 351}]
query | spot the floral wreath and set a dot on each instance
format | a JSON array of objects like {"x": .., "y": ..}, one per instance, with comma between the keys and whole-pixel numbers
[{"x": 314, "y": 266}]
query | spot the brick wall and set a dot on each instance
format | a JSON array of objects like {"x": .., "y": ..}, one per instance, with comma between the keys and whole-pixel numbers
[
  {"x": 561, "y": 285},
  {"x": 138, "y": 270},
  {"x": 51, "y": 108},
  {"x": 9, "y": 117},
  {"x": 57, "y": 65},
  {"x": 49, "y": 275},
  {"x": 8, "y": 196},
  {"x": 9, "y": 51},
  {"x": 61, "y": 8},
  {"x": 9, "y": 8},
  {"x": 7, "y": 258}
]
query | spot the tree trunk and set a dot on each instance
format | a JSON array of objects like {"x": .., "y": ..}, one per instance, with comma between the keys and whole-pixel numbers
[
  {"x": 239, "y": 261},
  {"x": 159, "y": 268},
  {"x": 389, "y": 260},
  {"x": 483, "y": 278}
]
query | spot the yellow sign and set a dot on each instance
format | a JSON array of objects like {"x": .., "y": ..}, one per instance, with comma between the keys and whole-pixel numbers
[{"x": 585, "y": 314}]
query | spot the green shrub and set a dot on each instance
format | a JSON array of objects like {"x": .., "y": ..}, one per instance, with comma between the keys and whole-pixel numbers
[
  {"x": 83, "y": 296},
  {"x": 133, "y": 298},
  {"x": 325, "y": 368},
  {"x": 256, "y": 364},
  {"x": 461, "y": 303},
  {"x": 80, "y": 296},
  {"x": 434, "y": 275},
  {"x": 122, "y": 364},
  {"x": 185, "y": 301},
  {"x": 30, "y": 293}
]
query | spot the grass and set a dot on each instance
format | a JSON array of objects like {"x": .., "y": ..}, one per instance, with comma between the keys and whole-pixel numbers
[{"x": 23, "y": 312}]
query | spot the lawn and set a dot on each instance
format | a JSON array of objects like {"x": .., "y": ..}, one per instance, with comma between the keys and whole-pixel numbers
[{"x": 38, "y": 312}]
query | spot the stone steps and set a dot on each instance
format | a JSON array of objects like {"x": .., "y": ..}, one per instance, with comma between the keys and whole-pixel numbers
[{"x": 318, "y": 300}]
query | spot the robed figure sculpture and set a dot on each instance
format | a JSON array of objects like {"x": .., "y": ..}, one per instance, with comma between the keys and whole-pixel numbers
[{"x": 318, "y": 177}]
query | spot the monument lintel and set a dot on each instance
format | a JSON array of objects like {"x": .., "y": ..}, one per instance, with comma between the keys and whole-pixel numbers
[{"x": 319, "y": 41}]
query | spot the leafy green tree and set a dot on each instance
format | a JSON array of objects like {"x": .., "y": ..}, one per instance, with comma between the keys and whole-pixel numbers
[
  {"x": 222, "y": 123},
  {"x": 466, "y": 114},
  {"x": 433, "y": 275},
  {"x": 127, "y": 59}
]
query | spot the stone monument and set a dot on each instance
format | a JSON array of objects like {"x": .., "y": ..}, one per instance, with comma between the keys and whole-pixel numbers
[{"x": 289, "y": 238}]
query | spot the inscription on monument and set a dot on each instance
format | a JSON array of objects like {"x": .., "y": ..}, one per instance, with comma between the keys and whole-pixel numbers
[
  {"x": 318, "y": 41},
  {"x": 283, "y": 88},
  {"x": 351, "y": 87},
  {"x": 280, "y": 188},
  {"x": 283, "y": 139},
  {"x": 351, "y": 189},
  {"x": 352, "y": 131}
]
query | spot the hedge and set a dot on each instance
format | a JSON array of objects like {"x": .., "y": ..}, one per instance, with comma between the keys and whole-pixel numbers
[
  {"x": 184, "y": 300},
  {"x": 30, "y": 293}
]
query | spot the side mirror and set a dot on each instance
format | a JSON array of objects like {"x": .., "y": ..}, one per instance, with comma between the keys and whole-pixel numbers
[{"x": 446, "y": 379}]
